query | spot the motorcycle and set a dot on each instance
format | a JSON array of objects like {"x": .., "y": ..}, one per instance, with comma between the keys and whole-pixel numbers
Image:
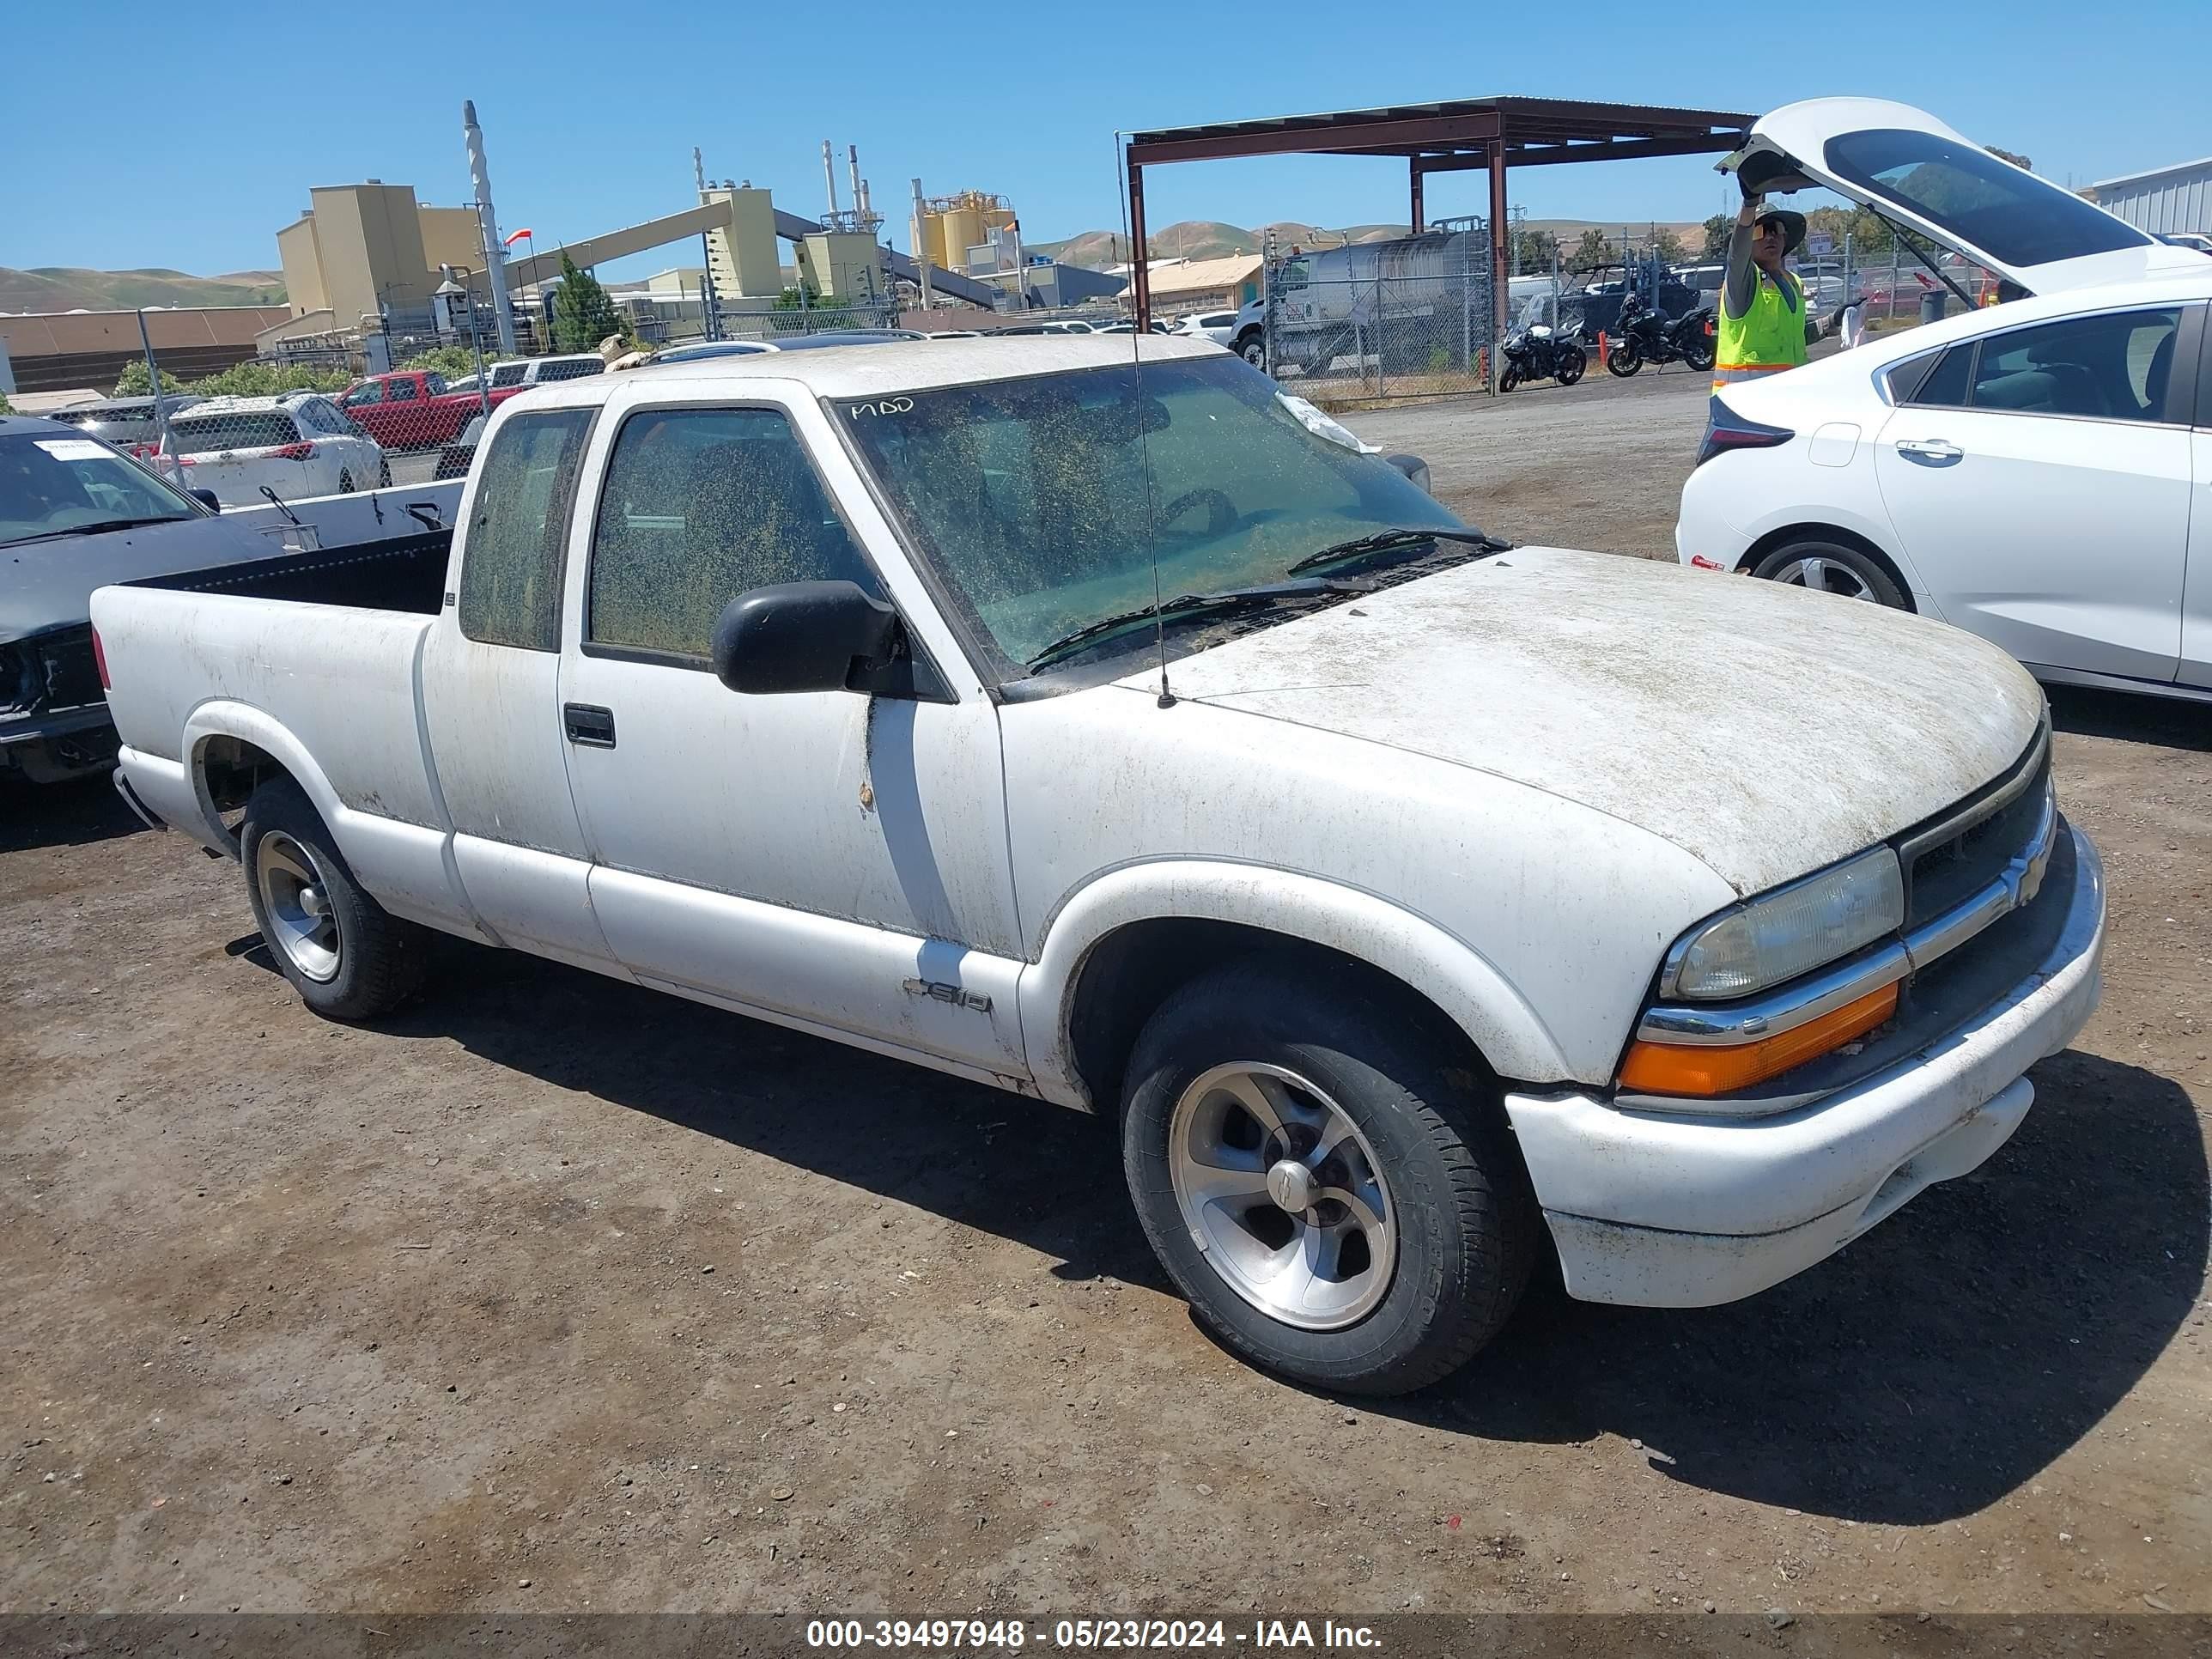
[
  {"x": 1539, "y": 354},
  {"x": 1647, "y": 337}
]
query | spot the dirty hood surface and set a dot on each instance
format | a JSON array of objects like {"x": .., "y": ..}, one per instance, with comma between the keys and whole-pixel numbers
[{"x": 1765, "y": 730}]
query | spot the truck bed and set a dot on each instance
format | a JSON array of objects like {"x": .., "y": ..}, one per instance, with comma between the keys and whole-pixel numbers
[{"x": 407, "y": 574}]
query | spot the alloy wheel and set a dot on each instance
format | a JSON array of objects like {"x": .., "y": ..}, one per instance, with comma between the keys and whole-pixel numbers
[{"x": 296, "y": 896}]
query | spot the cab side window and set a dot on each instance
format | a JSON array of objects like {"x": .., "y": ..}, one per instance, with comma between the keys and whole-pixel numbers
[
  {"x": 700, "y": 506},
  {"x": 511, "y": 560}
]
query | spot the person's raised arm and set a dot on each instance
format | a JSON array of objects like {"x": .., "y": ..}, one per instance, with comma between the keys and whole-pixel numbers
[{"x": 1742, "y": 279}]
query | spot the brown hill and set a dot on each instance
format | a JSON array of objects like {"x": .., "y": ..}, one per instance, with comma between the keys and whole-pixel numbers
[{"x": 64, "y": 287}]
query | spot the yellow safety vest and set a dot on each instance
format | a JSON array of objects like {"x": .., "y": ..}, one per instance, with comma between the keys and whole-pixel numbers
[{"x": 1767, "y": 338}]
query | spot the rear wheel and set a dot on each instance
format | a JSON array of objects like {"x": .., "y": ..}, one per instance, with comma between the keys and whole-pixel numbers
[
  {"x": 1698, "y": 350},
  {"x": 383, "y": 473},
  {"x": 1831, "y": 567},
  {"x": 1623, "y": 356},
  {"x": 348, "y": 956},
  {"x": 1570, "y": 364},
  {"x": 1253, "y": 348},
  {"x": 1333, "y": 1203},
  {"x": 345, "y": 482}
]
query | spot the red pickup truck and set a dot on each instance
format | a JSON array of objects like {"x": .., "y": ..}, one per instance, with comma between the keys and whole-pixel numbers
[{"x": 410, "y": 408}]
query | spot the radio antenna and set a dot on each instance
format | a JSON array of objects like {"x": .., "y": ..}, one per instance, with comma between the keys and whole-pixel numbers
[{"x": 1136, "y": 330}]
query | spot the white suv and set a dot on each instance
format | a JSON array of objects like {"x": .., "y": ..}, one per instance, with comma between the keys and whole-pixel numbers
[
  {"x": 543, "y": 371},
  {"x": 298, "y": 445}
]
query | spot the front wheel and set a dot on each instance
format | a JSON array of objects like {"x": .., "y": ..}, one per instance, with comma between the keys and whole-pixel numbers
[
  {"x": 1509, "y": 379},
  {"x": 1623, "y": 356},
  {"x": 1570, "y": 364},
  {"x": 1253, "y": 348},
  {"x": 1831, "y": 567},
  {"x": 348, "y": 956},
  {"x": 1315, "y": 1177}
]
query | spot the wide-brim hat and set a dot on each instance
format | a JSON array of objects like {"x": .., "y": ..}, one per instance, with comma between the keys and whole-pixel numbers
[{"x": 1792, "y": 226}]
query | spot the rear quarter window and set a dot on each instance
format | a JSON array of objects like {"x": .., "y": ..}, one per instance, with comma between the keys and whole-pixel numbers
[{"x": 510, "y": 590}]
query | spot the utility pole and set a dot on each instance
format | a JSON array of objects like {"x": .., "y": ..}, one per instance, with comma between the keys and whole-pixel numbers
[{"x": 487, "y": 225}]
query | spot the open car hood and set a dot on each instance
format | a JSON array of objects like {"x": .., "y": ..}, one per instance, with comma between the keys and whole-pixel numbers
[{"x": 1909, "y": 167}]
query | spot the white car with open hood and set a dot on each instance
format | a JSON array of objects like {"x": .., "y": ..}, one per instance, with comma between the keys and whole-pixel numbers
[
  {"x": 1380, "y": 882},
  {"x": 2039, "y": 472}
]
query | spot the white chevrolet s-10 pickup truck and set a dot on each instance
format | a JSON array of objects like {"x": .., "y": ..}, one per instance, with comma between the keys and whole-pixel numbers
[{"x": 1087, "y": 718}]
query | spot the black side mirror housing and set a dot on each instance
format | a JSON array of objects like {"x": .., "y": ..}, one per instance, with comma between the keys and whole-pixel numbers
[
  {"x": 207, "y": 498},
  {"x": 806, "y": 636},
  {"x": 1415, "y": 469}
]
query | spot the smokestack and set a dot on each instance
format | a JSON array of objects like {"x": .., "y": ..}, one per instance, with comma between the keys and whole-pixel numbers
[
  {"x": 867, "y": 202},
  {"x": 495, "y": 251},
  {"x": 918, "y": 233},
  {"x": 829, "y": 172},
  {"x": 852, "y": 161}
]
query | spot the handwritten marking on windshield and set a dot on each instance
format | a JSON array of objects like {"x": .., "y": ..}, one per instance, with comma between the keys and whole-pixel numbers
[{"x": 885, "y": 406}]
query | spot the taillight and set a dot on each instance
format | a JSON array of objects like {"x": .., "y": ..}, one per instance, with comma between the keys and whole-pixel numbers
[
  {"x": 1725, "y": 429},
  {"x": 294, "y": 453},
  {"x": 99, "y": 661}
]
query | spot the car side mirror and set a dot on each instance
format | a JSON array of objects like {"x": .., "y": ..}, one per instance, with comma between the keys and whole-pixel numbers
[
  {"x": 805, "y": 636},
  {"x": 206, "y": 498},
  {"x": 1415, "y": 469}
]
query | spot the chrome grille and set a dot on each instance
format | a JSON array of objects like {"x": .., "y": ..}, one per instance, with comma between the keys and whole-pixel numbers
[{"x": 1953, "y": 856}]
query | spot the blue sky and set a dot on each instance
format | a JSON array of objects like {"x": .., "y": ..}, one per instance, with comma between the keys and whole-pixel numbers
[{"x": 590, "y": 111}]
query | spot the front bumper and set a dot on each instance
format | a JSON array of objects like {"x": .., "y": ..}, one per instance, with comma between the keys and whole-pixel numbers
[{"x": 1665, "y": 1210}]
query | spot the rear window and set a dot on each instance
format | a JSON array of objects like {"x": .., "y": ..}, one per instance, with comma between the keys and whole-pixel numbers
[
  {"x": 246, "y": 429},
  {"x": 2015, "y": 217}
]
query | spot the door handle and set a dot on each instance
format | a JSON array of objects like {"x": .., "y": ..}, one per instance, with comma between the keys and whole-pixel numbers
[
  {"x": 589, "y": 725},
  {"x": 1929, "y": 451}
]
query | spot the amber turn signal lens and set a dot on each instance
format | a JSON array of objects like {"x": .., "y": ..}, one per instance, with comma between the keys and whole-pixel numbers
[{"x": 1711, "y": 1069}]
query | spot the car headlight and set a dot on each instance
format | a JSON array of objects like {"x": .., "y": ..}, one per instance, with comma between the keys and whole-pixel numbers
[{"x": 1790, "y": 931}]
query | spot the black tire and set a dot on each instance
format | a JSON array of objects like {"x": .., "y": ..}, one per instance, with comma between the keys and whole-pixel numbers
[
  {"x": 1697, "y": 351},
  {"x": 1253, "y": 348},
  {"x": 1867, "y": 579},
  {"x": 1622, "y": 357},
  {"x": 379, "y": 959},
  {"x": 1570, "y": 363},
  {"x": 383, "y": 474},
  {"x": 345, "y": 482},
  {"x": 1510, "y": 379},
  {"x": 1466, "y": 1227}
]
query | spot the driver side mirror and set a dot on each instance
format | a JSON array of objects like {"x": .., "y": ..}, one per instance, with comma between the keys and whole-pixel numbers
[
  {"x": 1415, "y": 469},
  {"x": 206, "y": 498},
  {"x": 805, "y": 636}
]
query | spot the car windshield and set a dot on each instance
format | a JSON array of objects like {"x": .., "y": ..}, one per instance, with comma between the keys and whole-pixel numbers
[
  {"x": 2005, "y": 211},
  {"x": 55, "y": 483},
  {"x": 244, "y": 429},
  {"x": 1031, "y": 497}
]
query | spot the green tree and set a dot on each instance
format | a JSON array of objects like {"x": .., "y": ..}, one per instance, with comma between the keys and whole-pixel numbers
[
  {"x": 1718, "y": 229},
  {"x": 133, "y": 383},
  {"x": 1668, "y": 247},
  {"x": 1532, "y": 250},
  {"x": 582, "y": 314},
  {"x": 1591, "y": 252},
  {"x": 2020, "y": 161},
  {"x": 450, "y": 360}
]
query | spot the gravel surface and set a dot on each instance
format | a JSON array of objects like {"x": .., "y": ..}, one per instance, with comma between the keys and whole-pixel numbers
[{"x": 554, "y": 1294}]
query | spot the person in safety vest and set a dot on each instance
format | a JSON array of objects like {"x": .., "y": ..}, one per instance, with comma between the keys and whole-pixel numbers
[{"x": 1763, "y": 325}]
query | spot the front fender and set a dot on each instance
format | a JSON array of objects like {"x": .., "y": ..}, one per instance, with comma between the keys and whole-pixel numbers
[{"x": 1446, "y": 969}]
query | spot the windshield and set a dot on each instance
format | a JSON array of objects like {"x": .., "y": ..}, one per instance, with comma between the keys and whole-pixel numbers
[
  {"x": 244, "y": 429},
  {"x": 1030, "y": 496},
  {"x": 50, "y": 484},
  {"x": 2006, "y": 212}
]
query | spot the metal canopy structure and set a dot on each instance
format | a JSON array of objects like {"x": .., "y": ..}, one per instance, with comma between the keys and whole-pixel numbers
[{"x": 1494, "y": 134}]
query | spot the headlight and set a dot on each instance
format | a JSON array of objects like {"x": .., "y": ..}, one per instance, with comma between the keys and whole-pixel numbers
[{"x": 1790, "y": 931}]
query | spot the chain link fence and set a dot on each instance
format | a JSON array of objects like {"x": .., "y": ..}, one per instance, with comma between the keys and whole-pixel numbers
[{"x": 1404, "y": 319}]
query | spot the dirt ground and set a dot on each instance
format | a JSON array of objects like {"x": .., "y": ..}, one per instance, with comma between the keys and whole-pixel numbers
[{"x": 555, "y": 1294}]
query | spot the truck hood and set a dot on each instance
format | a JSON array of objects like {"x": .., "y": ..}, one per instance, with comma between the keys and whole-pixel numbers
[
  {"x": 46, "y": 585},
  {"x": 1765, "y": 730}
]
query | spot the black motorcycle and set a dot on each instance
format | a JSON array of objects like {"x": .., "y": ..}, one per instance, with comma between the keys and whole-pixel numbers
[
  {"x": 1647, "y": 337},
  {"x": 1540, "y": 354}
]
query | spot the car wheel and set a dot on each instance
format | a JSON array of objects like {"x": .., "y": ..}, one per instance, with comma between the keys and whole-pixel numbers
[
  {"x": 348, "y": 956},
  {"x": 383, "y": 474},
  {"x": 1316, "y": 1177},
  {"x": 1832, "y": 568},
  {"x": 345, "y": 482},
  {"x": 1571, "y": 362}
]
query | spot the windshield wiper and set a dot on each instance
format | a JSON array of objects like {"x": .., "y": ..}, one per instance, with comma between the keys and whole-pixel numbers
[
  {"x": 1189, "y": 607},
  {"x": 96, "y": 528},
  {"x": 1356, "y": 551}
]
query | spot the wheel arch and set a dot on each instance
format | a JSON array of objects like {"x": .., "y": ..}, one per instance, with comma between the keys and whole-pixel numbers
[
  {"x": 1787, "y": 533},
  {"x": 1124, "y": 943},
  {"x": 230, "y": 748}
]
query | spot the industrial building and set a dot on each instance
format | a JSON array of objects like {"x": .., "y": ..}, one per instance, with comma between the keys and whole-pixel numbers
[
  {"x": 2164, "y": 201},
  {"x": 359, "y": 248}
]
